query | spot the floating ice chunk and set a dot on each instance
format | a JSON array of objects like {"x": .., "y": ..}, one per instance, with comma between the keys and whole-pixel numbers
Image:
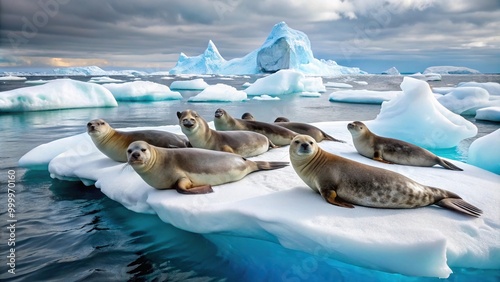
[
  {"x": 361, "y": 82},
  {"x": 104, "y": 79},
  {"x": 56, "y": 94},
  {"x": 141, "y": 91},
  {"x": 337, "y": 85},
  {"x": 465, "y": 100},
  {"x": 450, "y": 70},
  {"x": 167, "y": 77},
  {"x": 310, "y": 94},
  {"x": 80, "y": 71},
  {"x": 36, "y": 82},
  {"x": 363, "y": 96},
  {"x": 313, "y": 84},
  {"x": 442, "y": 90},
  {"x": 246, "y": 84},
  {"x": 265, "y": 98},
  {"x": 392, "y": 71},
  {"x": 417, "y": 117},
  {"x": 195, "y": 84},
  {"x": 492, "y": 87},
  {"x": 263, "y": 206},
  {"x": 484, "y": 152},
  {"x": 280, "y": 83},
  {"x": 12, "y": 78},
  {"x": 489, "y": 113},
  {"x": 432, "y": 76},
  {"x": 219, "y": 93}
]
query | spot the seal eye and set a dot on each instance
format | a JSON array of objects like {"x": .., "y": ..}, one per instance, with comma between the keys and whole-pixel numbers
[
  {"x": 143, "y": 150},
  {"x": 89, "y": 124},
  {"x": 310, "y": 142},
  {"x": 297, "y": 142},
  {"x": 129, "y": 151}
]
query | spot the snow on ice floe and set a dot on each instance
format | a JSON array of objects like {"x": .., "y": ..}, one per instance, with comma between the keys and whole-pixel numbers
[
  {"x": 265, "y": 98},
  {"x": 484, "y": 152},
  {"x": 450, "y": 70},
  {"x": 141, "y": 91},
  {"x": 56, "y": 94},
  {"x": 285, "y": 82},
  {"x": 219, "y": 93},
  {"x": 284, "y": 48},
  {"x": 363, "y": 96},
  {"x": 277, "y": 206},
  {"x": 489, "y": 113},
  {"x": 417, "y": 117},
  {"x": 194, "y": 84},
  {"x": 12, "y": 78}
]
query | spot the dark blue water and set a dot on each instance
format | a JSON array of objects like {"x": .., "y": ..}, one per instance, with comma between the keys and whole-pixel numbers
[{"x": 66, "y": 231}]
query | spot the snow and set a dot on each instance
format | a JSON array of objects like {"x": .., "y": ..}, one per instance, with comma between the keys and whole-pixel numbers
[
  {"x": 12, "y": 78},
  {"x": 492, "y": 87},
  {"x": 484, "y": 152},
  {"x": 417, "y": 117},
  {"x": 277, "y": 206},
  {"x": 363, "y": 96},
  {"x": 392, "y": 71},
  {"x": 194, "y": 84},
  {"x": 337, "y": 85},
  {"x": 104, "y": 79},
  {"x": 450, "y": 70},
  {"x": 465, "y": 100},
  {"x": 285, "y": 82},
  {"x": 284, "y": 48},
  {"x": 489, "y": 113},
  {"x": 56, "y": 94},
  {"x": 141, "y": 91},
  {"x": 219, "y": 93}
]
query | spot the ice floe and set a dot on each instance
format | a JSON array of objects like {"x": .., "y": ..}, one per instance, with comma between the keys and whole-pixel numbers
[
  {"x": 490, "y": 114},
  {"x": 484, "y": 152},
  {"x": 141, "y": 91},
  {"x": 194, "y": 84},
  {"x": 12, "y": 78},
  {"x": 104, "y": 79},
  {"x": 450, "y": 70},
  {"x": 277, "y": 206},
  {"x": 56, "y": 94},
  {"x": 363, "y": 96},
  {"x": 465, "y": 100},
  {"x": 219, "y": 93}
]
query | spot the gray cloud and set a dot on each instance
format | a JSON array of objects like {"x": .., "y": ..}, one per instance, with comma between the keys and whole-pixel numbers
[{"x": 153, "y": 33}]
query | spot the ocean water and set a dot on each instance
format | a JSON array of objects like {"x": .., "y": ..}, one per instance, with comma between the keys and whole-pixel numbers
[{"x": 66, "y": 231}]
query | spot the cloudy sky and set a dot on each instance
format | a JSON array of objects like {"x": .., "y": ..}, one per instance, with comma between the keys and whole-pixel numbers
[{"x": 373, "y": 35}]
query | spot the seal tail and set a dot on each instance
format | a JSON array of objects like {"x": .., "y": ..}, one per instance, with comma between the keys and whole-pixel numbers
[
  {"x": 460, "y": 205},
  {"x": 448, "y": 165},
  {"x": 261, "y": 165},
  {"x": 331, "y": 138}
]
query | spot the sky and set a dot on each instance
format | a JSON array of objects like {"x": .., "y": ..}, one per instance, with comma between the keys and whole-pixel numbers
[{"x": 373, "y": 35}]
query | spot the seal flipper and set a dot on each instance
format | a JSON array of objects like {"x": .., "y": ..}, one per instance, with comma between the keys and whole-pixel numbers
[
  {"x": 185, "y": 186},
  {"x": 261, "y": 165},
  {"x": 331, "y": 138},
  {"x": 460, "y": 205},
  {"x": 377, "y": 156},
  {"x": 448, "y": 165},
  {"x": 334, "y": 200}
]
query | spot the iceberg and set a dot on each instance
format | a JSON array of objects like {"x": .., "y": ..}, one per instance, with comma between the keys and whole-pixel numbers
[
  {"x": 141, "y": 91},
  {"x": 450, "y": 70},
  {"x": 489, "y": 113},
  {"x": 465, "y": 100},
  {"x": 363, "y": 96},
  {"x": 284, "y": 48},
  {"x": 80, "y": 71},
  {"x": 392, "y": 71},
  {"x": 484, "y": 152},
  {"x": 492, "y": 87},
  {"x": 56, "y": 94},
  {"x": 195, "y": 84},
  {"x": 278, "y": 207},
  {"x": 219, "y": 93},
  {"x": 417, "y": 117}
]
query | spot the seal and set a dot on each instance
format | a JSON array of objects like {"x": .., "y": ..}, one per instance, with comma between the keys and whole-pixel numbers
[
  {"x": 114, "y": 143},
  {"x": 247, "y": 116},
  {"x": 344, "y": 183},
  {"x": 190, "y": 170},
  {"x": 307, "y": 129},
  {"x": 243, "y": 143},
  {"x": 278, "y": 135},
  {"x": 392, "y": 151}
]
